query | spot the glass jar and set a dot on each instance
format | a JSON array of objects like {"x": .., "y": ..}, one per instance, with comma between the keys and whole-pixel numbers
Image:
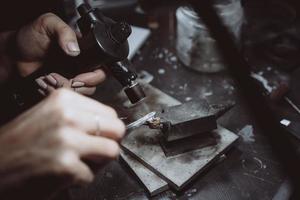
[{"x": 195, "y": 47}]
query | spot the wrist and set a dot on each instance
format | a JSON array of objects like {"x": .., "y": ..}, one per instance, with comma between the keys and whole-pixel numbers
[
  {"x": 8, "y": 55},
  {"x": 11, "y": 49}
]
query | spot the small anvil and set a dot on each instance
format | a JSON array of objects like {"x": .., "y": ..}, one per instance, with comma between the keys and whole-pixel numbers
[{"x": 184, "y": 127}]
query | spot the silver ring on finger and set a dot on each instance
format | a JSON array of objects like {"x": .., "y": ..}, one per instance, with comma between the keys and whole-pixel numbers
[{"x": 98, "y": 130}]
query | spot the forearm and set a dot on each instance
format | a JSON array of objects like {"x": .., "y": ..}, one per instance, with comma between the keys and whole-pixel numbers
[{"x": 7, "y": 61}]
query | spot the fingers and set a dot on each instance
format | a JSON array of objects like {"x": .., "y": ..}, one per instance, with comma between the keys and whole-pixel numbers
[
  {"x": 51, "y": 82},
  {"x": 82, "y": 173},
  {"x": 55, "y": 27},
  {"x": 86, "y": 114},
  {"x": 44, "y": 89},
  {"x": 100, "y": 125},
  {"x": 60, "y": 80},
  {"x": 69, "y": 163},
  {"x": 90, "y": 79},
  {"x": 67, "y": 99},
  {"x": 83, "y": 84},
  {"x": 94, "y": 147},
  {"x": 77, "y": 146},
  {"x": 87, "y": 91}
]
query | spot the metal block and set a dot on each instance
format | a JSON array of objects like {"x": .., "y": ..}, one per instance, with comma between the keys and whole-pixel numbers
[
  {"x": 150, "y": 180},
  {"x": 190, "y": 119},
  {"x": 143, "y": 144},
  {"x": 187, "y": 120},
  {"x": 188, "y": 144}
]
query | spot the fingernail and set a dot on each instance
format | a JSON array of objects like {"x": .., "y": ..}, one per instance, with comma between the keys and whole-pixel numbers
[
  {"x": 42, "y": 92},
  {"x": 77, "y": 84},
  {"x": 52, "y": 80},
  {"x": 41, "y": 83},
  {"x": 85, "y": 91},
  {"x": 73, "y": 48}
]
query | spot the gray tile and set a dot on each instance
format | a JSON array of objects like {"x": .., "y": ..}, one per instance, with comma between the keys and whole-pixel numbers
[{"x": 150, "y": 180}]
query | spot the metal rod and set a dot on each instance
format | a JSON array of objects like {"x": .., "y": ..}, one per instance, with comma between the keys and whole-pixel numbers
[{"x": 290, "y": 102}]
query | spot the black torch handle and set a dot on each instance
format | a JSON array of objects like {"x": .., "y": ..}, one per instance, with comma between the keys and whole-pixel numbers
[{"x": 123, "y": 72}]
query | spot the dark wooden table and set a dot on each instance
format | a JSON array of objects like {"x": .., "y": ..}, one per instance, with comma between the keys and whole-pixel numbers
[{"x": 250, "y": 170}]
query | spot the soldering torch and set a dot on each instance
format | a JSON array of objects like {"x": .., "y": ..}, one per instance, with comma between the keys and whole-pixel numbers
[{"x": 103, "y": 43}]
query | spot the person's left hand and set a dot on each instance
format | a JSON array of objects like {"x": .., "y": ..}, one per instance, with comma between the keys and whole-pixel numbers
[
  {"x": 83, "y": 83},
  {"x": 33, "y": 42}
]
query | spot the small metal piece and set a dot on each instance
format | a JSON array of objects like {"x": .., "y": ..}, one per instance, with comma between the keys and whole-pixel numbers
[
  {"x": 155, "y": 123},
  {"x": 141, "y": 121}
]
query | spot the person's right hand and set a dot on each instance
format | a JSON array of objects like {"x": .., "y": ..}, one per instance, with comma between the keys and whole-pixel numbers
[{"x": 56, "y": 137}]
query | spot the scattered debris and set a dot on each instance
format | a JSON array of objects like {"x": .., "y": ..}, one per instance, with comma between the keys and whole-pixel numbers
[
  {"x": 207, "y": 94},
  {"x": 285, "y": 122},
  {"x": 194, "y": 190},
  {"x": 262, "y": 165},
  {"x": 253, "y": 165},
  {"x": 247, "y": 134},
  {"x": 262, "y": 80},
  {"x": 168, "y": 56},
  {"x": 161, "y": 71},
  {"x": 228, "y": 86},
  {"x": 183, "y": 87},
  {"x": 191, "y": 192},
  {"x": 188, "y": 99},
  {"x": 173, "y": 59}
]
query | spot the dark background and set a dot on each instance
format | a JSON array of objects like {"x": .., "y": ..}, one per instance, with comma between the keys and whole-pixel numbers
[{"x": 239, "y": 176}]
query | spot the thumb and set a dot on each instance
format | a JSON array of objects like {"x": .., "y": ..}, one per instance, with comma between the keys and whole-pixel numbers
[{"x": 56, "y": 27}]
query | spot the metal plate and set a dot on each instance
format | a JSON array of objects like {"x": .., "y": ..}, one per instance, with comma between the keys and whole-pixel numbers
[
  {"x": 150, "y": 180},
  {"x": 143, "y": 144}
]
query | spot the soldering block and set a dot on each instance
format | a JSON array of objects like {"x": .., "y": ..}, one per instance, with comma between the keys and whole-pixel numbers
[
  {"x": 144, "y": 145},
  {"x": 188, "y": 120}
]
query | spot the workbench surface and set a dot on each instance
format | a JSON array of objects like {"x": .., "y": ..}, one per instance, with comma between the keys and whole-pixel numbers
[{"x": 250, "y": 171}]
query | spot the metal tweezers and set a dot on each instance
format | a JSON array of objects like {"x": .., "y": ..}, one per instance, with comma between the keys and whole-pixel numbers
[{"x": 150, "y": 120}]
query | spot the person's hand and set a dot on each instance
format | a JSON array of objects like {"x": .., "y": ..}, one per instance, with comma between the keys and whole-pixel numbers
[
  {"x": 33, "y": 42},
  {"x": 83, "y": 83},
  {"x": 55, "y": 138}
]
